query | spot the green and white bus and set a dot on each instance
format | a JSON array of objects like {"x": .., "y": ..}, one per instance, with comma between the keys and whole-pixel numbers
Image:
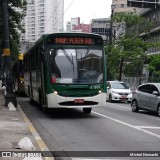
[{"x": 66, "y": 70}]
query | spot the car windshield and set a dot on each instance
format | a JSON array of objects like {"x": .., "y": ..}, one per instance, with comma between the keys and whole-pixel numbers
[
  {"x": 76, "y": 65},
  {"x": 117, "y": 85}
]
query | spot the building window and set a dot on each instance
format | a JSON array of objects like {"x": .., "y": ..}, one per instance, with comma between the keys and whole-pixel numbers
[{"x": 122, "y": 5}]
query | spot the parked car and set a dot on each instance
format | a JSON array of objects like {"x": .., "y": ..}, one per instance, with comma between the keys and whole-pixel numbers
[
  {"x": 118, "y": 91},
  {"x": 147, "y": 97}
]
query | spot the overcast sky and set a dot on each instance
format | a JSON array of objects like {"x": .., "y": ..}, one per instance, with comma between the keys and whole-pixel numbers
[{"x": 86, "y": 9}]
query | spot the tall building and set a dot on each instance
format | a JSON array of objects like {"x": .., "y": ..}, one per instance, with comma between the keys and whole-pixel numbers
[
  {"x": 75, "y": 26},
  {"x": 101, "y": 26},
  {"x": 42, "y": 17},
  {"x": 149, "y": 14},
  {"x": 121, "y": 6},
  {"x": 73, "y": 22},
  {"x": 152, "y": 15}
]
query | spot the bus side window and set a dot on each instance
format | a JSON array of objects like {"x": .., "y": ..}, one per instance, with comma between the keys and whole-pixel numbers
[
  {"x": 33, "y": 60},
  {"x": 36, "y": 58}
]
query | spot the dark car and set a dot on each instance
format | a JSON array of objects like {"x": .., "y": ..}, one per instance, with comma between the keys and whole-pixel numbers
[{"x": 146, "y": 97}]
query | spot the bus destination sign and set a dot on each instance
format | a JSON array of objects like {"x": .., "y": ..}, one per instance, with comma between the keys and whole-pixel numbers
[{"x": 72, "y": 40}]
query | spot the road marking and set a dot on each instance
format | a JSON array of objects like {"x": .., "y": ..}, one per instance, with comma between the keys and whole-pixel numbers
[
  {"x": 96, "y": 159},
  {"x": 38, "y": 139},
  {"x": 127, "y": 124},
  {"x": 149, "y": 127}
]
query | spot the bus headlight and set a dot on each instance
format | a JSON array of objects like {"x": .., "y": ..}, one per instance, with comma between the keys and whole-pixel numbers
[
  {"x": 55, "y": 92},
  {"x": 99, "y": 91}
]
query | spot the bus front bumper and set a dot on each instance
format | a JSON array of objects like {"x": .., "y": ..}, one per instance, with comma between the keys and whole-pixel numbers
[{"x": 56, "y": 101}]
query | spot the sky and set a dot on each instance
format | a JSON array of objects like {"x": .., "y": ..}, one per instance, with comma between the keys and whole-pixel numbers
[{"x": 86, "y": 9}]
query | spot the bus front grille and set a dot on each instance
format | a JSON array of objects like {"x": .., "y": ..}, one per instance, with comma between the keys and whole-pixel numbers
[
  {"x": 72, "y": 103},
  {"x": 78, "y": 95}
]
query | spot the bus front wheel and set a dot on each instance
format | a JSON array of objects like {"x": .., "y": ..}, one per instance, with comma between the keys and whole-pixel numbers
[{"x": 87, "y": 110}]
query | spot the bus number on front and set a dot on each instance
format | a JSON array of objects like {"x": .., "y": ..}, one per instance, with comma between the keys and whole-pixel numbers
[{"x": 95, "y": 87}]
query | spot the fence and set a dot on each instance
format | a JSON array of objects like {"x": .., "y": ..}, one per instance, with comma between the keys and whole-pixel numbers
[{"x": 133, "y": 82}]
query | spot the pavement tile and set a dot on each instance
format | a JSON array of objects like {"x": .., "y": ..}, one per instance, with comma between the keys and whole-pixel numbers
[{"x": 12, "y": 129}]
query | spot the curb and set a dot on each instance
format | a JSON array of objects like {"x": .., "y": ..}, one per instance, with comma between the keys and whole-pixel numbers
[{"x": 38, "y": 139}]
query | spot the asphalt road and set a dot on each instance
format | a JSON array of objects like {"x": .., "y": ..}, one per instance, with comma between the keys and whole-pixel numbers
[{"x": 111, "y": 128}]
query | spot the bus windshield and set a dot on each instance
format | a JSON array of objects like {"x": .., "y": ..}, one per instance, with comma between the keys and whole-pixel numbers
[{"x": 76, "y": 66}]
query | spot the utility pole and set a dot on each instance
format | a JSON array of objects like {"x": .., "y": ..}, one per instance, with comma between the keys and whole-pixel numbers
[
  {"x": 111, "y": 24},
  {"x": 10, "y": 96}
]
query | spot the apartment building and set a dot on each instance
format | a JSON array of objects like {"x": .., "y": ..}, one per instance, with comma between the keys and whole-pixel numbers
[
  {"x": 74, "y": 25},
  {"x": 121, "y": 6},
  {"x": 152, "y": 15},
  {"x": 101, "y": 26},
  {"x": 42, "y": 17}
]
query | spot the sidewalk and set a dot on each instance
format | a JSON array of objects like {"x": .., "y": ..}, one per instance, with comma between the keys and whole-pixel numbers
[{"x": 12, "y": 129}]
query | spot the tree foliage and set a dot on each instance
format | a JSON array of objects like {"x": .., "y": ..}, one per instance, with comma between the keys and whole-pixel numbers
[
  {"x": 15, "y": 26},
  {"x": 134, "y": 23},
  {"x": 127, "y": 53},
  {"x": 154, "y": 68}
]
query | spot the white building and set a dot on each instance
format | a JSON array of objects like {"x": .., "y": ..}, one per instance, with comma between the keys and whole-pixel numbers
[
  {"x": 73, "y": 22},
  {"x": 42, "y": 17},
  {"x": 101, "y": 26}
]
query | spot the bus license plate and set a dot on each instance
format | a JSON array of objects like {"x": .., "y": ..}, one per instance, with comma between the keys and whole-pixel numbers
[{"x": 79, "y": 101}]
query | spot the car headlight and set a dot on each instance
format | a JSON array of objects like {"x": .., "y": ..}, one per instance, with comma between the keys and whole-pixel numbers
[{"x": 115, "y": 92}]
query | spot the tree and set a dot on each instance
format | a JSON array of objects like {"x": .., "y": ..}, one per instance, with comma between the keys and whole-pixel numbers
[
  {"x": 154, "y": 68},
  {"x": 15, "y": 25},
  {"x": 129, "y": 48}
]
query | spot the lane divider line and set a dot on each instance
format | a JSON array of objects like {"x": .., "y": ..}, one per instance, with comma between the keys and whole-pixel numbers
[
  {"x": 148, "y": 127},
  {"x": 41, "y": 144},
  {"x": 97, "y": 159},
  {"x": 127, "y": 124}
]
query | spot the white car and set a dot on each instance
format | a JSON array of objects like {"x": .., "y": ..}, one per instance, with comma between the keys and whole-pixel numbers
[{"x": 118, "y": 91}]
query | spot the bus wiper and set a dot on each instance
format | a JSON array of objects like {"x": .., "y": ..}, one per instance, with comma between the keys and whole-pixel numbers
[
  {"x": 88, "y": 49},
  {"x": 68, "y": 57}
]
